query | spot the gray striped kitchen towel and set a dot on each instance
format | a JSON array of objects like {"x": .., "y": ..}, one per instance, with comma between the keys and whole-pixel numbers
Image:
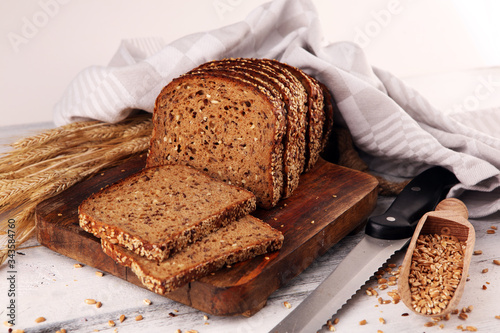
[{"x": 391, "y": 122}]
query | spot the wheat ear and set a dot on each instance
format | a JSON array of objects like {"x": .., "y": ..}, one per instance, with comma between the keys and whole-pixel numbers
[{"x": 43, "y": 165}]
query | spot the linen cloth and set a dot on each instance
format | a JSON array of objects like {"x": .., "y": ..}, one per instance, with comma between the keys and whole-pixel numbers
[{"x": 391, "y": 122}]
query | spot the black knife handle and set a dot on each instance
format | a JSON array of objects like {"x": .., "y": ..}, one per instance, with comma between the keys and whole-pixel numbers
[{"x": 420, "y": 196}]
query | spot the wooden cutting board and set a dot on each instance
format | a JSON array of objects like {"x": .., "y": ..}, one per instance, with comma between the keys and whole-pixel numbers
[{"x": 330, "y": 202}]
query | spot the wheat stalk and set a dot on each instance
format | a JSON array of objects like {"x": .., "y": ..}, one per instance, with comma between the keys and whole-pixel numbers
[
  {"x": 23, "y": 228},
  {"x": 43, "y": 165},
  {"x": 53, "y": 134}
]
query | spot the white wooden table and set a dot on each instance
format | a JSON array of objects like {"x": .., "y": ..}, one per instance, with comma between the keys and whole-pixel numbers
[{"x": 48, "y": 285}]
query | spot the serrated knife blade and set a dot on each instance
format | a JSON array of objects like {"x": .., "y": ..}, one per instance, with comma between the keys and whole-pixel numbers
[{"x": 384, "y": 235}]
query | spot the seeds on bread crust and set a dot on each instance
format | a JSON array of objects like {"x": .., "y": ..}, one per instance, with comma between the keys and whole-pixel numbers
[{"x": 202, "y": 257}]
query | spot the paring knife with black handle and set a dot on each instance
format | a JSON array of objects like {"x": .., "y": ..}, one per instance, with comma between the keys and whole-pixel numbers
[{"x": 384, "y": 235}]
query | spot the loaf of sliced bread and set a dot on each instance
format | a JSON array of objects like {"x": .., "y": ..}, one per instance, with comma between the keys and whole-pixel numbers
[
  {"x": 161, "y": 210},
  {"x": 256, "y": 123},
  {"x": 238, "y": 241},
  {"x": 229, "y": 127}
]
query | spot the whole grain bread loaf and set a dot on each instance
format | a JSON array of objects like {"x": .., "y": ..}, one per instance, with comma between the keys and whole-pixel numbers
[
  {"x": 238, "y": 241},
  {"x": 256, "y": 123},
  {"x": 229, "y": 127},
  {"x": 161, "y": 210}
]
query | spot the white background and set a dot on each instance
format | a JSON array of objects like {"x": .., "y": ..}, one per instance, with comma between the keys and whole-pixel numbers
[{"x": 45, "y": 43}]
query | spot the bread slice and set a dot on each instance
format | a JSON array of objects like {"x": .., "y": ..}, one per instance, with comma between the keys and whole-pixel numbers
[
  {"x": 228, "y": 127},
  {"x": 295, "y": 101},
  {"x": 160, "y": 210},
  {"x": 238, "y": 241},
  {"x": 315, "y": 113},
  {"x": 251, "y": 72}
]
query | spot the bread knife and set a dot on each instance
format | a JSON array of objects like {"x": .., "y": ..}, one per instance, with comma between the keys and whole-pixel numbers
[{"x": 384, "y": 235}]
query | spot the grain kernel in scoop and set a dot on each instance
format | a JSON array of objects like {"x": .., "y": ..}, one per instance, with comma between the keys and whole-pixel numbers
[{"x": 435, "y": 272}]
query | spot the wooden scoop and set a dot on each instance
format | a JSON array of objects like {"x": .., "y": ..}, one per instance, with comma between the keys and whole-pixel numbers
[{"x": 449, "y": 219}]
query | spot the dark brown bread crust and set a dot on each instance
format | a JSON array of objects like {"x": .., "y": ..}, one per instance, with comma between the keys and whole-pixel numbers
[
  {"x": 329, "y": 107},
  {"x": 203, "y": 257},
  {"x": 227, "y": 94},
  {"x": 161, "y": 210}
]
